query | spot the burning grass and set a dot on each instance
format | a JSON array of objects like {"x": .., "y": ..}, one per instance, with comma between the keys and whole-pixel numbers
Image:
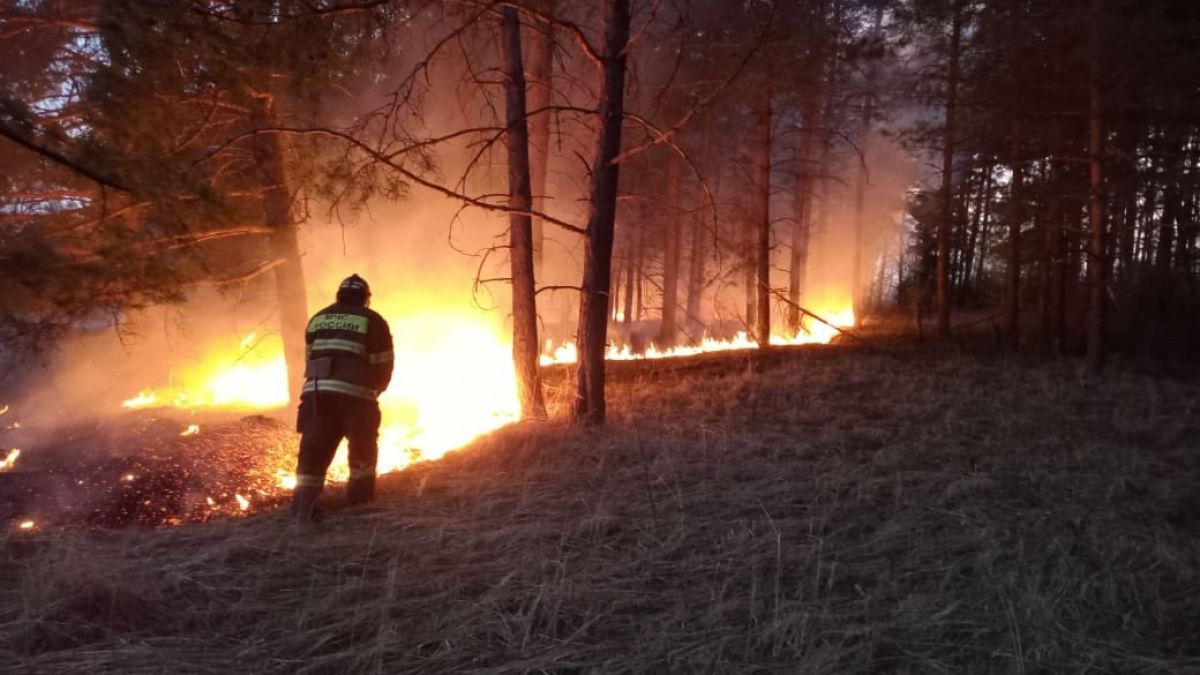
[{"x": 816, "y": 510}]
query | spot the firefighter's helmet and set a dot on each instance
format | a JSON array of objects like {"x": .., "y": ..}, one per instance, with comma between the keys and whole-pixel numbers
[{"x": 354, "y": 288}]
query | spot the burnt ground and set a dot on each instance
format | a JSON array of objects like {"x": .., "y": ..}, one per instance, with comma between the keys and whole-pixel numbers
[
  {"x": 135, "y": 469},
  {"x": 880, "y": 507}
]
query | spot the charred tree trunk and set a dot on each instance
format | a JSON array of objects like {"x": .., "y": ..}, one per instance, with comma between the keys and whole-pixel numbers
[
  {"x": 290, "y": 290},
  {"x": 540, "y": 95},
  {"x": 589, "y": 404},
  {"x": 947, "y": 215},
  {"x": 671, "y": 250},
  {"x": 520, "y": 225},
  {"x": 762, "y": 323},
  {"x": 1096, "y": 253}
]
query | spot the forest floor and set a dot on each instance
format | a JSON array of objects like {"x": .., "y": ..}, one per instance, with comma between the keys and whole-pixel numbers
[{"x": 876, "y": 506}]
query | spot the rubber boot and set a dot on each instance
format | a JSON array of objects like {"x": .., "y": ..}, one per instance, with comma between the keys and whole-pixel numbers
[
  {"x": 360, "y": 490},
  {"x": 304, "y": 502}
]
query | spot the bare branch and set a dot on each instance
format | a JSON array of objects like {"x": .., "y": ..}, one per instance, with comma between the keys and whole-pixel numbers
[
  {"x": 666, "y": 135},
  {"x": 16, "y": 137},
  {"x": 418, "y": 179}
]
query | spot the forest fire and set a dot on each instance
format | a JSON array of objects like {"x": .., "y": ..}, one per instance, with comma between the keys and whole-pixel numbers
[
  {"x": 815, "y": 332},
  {"x": 454, "y": 381}
]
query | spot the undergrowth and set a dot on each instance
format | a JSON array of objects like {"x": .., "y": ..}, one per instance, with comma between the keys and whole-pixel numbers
[{"x": 826, "y": 510}]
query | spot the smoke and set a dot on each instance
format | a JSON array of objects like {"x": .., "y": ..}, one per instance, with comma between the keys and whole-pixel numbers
[{"x": 887, "y": 172}]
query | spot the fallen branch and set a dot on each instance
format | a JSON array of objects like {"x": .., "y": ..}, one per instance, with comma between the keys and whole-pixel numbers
[{"x": 805, "y": 310}]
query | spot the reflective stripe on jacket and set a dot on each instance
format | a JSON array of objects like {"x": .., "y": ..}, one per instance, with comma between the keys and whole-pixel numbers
[{"x": 349, "y": 349}]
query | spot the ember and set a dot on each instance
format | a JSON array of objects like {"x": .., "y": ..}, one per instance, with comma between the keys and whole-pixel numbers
[
  {"x": 191, "y": 430},
  {"x": 10, "y": 460}
]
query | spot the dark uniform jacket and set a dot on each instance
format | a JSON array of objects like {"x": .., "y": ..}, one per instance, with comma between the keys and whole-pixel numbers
[{"x": 349, "y": 351}]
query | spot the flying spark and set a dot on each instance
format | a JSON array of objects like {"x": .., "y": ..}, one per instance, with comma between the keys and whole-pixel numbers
[{"x": 10, "y": 460}]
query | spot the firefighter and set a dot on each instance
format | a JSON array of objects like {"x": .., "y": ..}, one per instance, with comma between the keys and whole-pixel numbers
[{"x": 349, "y": 350}]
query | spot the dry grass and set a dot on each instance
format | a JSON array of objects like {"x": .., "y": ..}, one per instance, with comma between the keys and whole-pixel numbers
[{"x": 818, "y": 511}]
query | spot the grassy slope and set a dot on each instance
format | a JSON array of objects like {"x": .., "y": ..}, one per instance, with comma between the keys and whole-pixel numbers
[{"x": 843, "y": 510}]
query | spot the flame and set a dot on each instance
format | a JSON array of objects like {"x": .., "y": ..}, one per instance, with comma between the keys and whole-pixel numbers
[
  {"x": 143, "y": 399},
  {"x": 285, "y": 480},
  {"x": 3, "y": 410},
  {"x": 191, "y": 430},
  {"x": 814, "y": 332},
  {"x": 453, "y": 380},
  {"x": 9, "y": 461},
  {"x": 244, "y": 374},
  {"x": 27, "y": 525}
]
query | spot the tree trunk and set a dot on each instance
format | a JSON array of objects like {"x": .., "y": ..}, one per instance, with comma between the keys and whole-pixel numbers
[
  {"x": 860, "y": 196},
  {"x": 1012, "y": 272},
  {"x": 1096, "y": 254},
  {"x": 520, "y": 226},
  {"x": 750, "y": 269},
  {"x": 540, "y": 95},
  {"x": 289, "y": 276},
  {"x": 975, "y": 212},
  {"x": 1123, "y": 229},
  {"x": 628, "y": 307},
  {"x": 800, "y": 228},
  {"x": 639, "y": 261},
  {"x": 860, "y": 186},
  {"x": 762, "y": 323},
  {"x": 699, "y": 254},
  {"x": 984, "y": 238},
  {"x": 589, "y": 404},
  {"x": 671, "y": 250},
  {"x": 947, "y": 215},
  {"x": 1054, "y": 259}
]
